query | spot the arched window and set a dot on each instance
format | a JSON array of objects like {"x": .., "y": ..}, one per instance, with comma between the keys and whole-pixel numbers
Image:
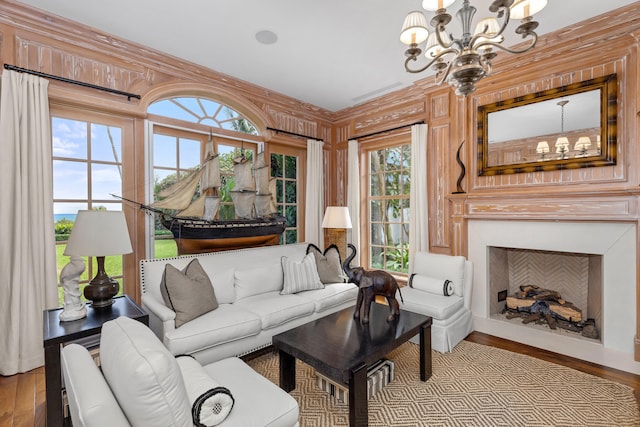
[
  {"x": 180, "y": 129},
  {"x": 203, "y": 111}
]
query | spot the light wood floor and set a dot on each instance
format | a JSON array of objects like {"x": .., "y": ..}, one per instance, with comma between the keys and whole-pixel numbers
[{"x": 22, "y": 397}]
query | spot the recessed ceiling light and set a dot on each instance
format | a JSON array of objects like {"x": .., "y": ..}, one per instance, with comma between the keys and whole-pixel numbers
[{"x": 266, "y": 37}]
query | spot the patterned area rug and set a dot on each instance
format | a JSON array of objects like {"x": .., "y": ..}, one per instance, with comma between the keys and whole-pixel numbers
[{"x": 475, "y": 385}]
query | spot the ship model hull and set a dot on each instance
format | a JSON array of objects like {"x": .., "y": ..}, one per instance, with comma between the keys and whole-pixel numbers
[{"x": 194, "y": 236}]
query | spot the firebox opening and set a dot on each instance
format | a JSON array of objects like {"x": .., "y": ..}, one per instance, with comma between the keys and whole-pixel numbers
[{"x": 559, "y": 292}]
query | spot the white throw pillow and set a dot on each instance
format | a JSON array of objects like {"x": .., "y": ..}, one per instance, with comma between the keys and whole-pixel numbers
[
  {"x": 143, "y": 375},
  {"x": 300, "y": 276},
  {"x": 254, "y": 281},
  {"x": 441, "y": 267},
  {"x": 210, "y": 402}
]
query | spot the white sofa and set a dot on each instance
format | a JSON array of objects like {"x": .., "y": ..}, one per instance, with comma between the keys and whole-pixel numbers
[
  {"x": 141, "y": 384},
  {"x": 452, "y": 319},
  {"x": 251, "y": 310}
]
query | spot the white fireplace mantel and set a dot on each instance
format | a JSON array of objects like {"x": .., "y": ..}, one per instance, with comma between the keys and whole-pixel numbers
[{"x": 616, "y": 241}]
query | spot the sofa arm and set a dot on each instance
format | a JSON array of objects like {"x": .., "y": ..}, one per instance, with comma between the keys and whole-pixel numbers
[
  {"x": 161, "y": 318},
  {"x": 91, "y": 402}
]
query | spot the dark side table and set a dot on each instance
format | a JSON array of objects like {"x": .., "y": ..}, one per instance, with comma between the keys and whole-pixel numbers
[{"x": 57, "y": 334}]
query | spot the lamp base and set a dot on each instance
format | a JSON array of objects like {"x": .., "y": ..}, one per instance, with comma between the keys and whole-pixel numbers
[{"x": 101, "y": 292}]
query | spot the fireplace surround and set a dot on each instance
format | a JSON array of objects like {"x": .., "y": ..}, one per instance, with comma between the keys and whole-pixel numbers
[{"x": 615, "y": 242}]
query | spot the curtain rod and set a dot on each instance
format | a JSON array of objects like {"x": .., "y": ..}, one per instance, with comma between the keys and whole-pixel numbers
[
  {"x": 293, "y": 133},
  {"x": 75, "y": 82},
  {"x": 421, "y": 122}
]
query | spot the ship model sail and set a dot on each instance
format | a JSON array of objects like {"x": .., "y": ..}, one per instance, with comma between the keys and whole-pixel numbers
[{"x": 194, "y": 223}]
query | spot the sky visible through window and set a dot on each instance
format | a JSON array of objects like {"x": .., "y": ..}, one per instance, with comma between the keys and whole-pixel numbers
[{"x": 76, "y": 142}]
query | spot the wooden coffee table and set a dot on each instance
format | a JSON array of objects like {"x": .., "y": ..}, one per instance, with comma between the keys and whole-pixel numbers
[{"x": 342, "y": 348}]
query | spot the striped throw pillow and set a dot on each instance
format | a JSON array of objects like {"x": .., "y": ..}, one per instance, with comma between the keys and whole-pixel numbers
[{"x": 300, "y": 276}]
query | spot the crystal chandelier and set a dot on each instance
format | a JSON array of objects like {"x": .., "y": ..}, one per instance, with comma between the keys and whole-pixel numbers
[{"x": 463, "y": 61}]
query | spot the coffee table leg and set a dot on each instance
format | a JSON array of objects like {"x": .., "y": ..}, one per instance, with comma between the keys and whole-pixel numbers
[
  {"x": 425, "y": 353},
  {"x": 287, "y": 371},
  {"x": 358, "y": 410}
]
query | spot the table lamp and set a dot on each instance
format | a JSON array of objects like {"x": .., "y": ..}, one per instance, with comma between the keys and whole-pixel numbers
[
  {"x": 99, "y": 234},
  {"x": 336, "y": 221}
]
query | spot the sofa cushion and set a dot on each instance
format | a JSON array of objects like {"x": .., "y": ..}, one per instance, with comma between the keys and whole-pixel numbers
[
  {"x": 275, "y": 309},
  {"x": 437, "y": 306},
  {"x": 188, "y": 292},
  {"x": 258, "y": 401},
  {"x": 300, "y": 276},
  {"x": 225, "y": 324},
  {"x": 258, "y": 280},
  {"x": 328, "y": 263},
  {"x": 331, "y": 296},
  {"x": 441, "y": 267},
  {"x": 210, "y": 402},
  {"x": 143, "y": 375}
]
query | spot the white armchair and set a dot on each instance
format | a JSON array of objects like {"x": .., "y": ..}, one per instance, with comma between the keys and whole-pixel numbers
[{"x": 452, "y": 320}]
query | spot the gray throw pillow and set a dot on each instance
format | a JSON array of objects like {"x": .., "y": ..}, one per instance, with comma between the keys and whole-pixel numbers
[
  {"x": 188, "y": 292},
  {"x": 328, "y": 263}
]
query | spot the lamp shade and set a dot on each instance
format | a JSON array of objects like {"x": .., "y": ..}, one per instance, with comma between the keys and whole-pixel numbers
[
  {"x": 99, "y": 233},
  {"x": 543, "y": 147},
  {"x": 562, "y": 144},
  {"x": 492, "y": 29},
  {"x": 434, "y": 48},
  {"x": 433, "y": 5},
  {"x": 336, "y": 217},
  {"x": 583, "y": 143},
  {"x": 414, "y": 30},
  {"x": 524, "y": 8}
]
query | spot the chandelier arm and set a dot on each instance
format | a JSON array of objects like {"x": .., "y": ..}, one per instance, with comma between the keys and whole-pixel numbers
[
  {"x": 441, "y": 29},
  {"x": 433, "y": 61},
  {"x": 445, "y": 74},
  {"x": 506, "y": 49}
]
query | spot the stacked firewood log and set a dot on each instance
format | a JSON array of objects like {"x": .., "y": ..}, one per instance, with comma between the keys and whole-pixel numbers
[{"x": 535, "y": 304}]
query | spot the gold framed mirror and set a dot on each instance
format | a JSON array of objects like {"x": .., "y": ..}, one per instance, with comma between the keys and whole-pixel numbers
[{"x": 568, "y": 127}]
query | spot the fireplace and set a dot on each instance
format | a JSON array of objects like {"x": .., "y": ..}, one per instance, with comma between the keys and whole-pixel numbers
[
  {"x": 606, "y": 250},
  {"x": 575, "y": 277}
]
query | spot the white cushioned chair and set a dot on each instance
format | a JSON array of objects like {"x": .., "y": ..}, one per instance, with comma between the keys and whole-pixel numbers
[
  {"x": 452, "y": 320},
  {"x": 141, "y": 384}
]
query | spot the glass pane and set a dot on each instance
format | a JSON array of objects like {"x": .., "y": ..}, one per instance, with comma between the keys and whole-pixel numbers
[
  {"x": 291, "y": 167},
  {"x": 377, "y": 233},
  {"x": 69, "y": 138},
  {"x": 394, "y": 158},
  {"x": 376, "y": 260},
  {"x": 406, "y": 183},
  {"x": 290, "y": 189},
  {"x": 392, "y": 183},
  {"x": 377, "y": 188},
  {"x": 105, "y": 180},
  {"x": 106, "y": 143},
  {"x": 276, "y": 166},
  {"x": 376, "y": 160},
  {"x": 394, "y": 210},
  {"x": 291, "y": 236},
  {"x": 163, "y": 178},
  {"x": 226, "y": 212},
  {"x": 167, "y": 108},
  {"x": 165, "y": 247},
  {"x": 395, "y": 233},
  {"x": 164, "y": 151},
  {"x": 292, "y": 216},
  {"x": 377, "y": 210},
  {"x": 189, "y": 153},
  {"x": 70, "y": 180},
  {"x": 279, "y": 191},
  {"x": 211, "y": 108},
  {"x": 406, "y": 156}
]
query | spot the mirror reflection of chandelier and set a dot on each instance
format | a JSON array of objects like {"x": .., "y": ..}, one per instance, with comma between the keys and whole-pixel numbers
[
  {"x": 462, "y": 62},
  {"x": 562, "y": 143}
]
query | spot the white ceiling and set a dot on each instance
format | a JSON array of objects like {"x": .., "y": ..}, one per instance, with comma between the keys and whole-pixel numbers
[{"x": 330, "y": 53}]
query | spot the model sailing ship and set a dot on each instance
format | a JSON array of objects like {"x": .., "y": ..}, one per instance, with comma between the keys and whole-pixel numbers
[{"x": 193, "y": 223}]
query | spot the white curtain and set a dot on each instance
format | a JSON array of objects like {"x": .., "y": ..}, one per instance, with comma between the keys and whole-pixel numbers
[
  {"x": 315, "y": 194},
  {"x": 28, "y": 282},
  {"x": 353, "y": 197},
  {"x": 418, "y": 210}
]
